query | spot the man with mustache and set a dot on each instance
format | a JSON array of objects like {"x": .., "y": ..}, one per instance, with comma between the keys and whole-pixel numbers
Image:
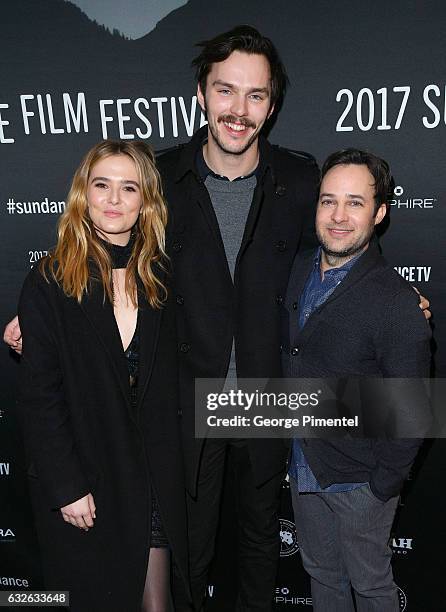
[{"x": 240, "y": 209}]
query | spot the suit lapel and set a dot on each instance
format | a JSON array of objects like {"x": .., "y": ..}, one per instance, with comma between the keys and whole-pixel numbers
[
  {"x": 203, "y": 201},
  {"x": 251, "y": 221},
  {"x": 99, "y": 312},
  {"x": 367, "y": 261},
  {"x": 102, "y": 319}
]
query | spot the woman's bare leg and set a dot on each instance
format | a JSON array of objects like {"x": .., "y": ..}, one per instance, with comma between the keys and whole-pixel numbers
[{"x": 156, "y": 596}]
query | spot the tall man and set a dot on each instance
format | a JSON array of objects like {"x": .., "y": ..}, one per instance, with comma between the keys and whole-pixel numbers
[
  {"x": 240, "y": 209},
  {"x": 347, "y": 313}
]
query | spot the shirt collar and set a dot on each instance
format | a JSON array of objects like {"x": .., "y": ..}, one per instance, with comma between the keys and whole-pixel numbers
[{"x": 344, "y": 268}]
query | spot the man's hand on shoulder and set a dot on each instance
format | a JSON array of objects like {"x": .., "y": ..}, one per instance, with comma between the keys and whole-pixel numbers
[
  {"x": 424, "y": 305},
  {"x": 13, "y": 336}
]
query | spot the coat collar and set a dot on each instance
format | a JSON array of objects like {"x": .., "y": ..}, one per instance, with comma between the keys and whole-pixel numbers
[
  {"x": 188, "y": 156},
  {"x": 368, "y": 260},
  {"x": 99, "y": 312}
]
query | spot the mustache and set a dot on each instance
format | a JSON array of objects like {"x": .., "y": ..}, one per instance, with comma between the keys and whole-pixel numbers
[{"x": 240, "y": 120}]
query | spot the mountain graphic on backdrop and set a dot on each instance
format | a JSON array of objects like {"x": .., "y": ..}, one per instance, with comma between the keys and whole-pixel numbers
[
  {"x": 133, "y": 19},
  {"x": 57, "y": 33}
]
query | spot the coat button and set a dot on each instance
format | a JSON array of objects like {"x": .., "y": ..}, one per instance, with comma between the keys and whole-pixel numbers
[
  {"x": 184, "y": 347},
  {"x": 281, "y": 245},
  {"x": 294, "y": 351},
  {"x": 180, "y": 300},
  {"x": 280, "y": 190},
  {"x": 177, "y": 246},
  {"x": 279, "y": 299},
  {"x": 294, "y": 305}
]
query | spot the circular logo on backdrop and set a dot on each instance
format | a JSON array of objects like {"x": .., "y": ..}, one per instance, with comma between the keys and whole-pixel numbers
[
  {"x": 402, "y": 599},
  {"x": 398, "y": 190},
  {"x": 288, "y": 538}
]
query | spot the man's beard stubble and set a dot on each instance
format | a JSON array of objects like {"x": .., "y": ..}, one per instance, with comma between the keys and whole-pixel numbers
[{"x": 348, "y": 253}]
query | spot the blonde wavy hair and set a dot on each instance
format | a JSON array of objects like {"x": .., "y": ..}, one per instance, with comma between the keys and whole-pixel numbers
[{"x": 78, "y": 245}]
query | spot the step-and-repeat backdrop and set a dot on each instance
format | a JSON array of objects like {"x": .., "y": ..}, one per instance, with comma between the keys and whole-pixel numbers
[{"x": 371, "y": 75}]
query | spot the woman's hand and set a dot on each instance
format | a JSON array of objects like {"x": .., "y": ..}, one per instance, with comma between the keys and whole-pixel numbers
[{"x": 80, "y": 513}]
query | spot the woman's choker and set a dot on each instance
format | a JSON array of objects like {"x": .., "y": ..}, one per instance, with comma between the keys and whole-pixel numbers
[{"x": 120, "y": 255}]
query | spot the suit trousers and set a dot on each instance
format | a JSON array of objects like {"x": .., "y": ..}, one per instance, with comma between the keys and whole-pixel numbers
[
  {"x": 344, "y": 544},
  {"x": 258, "y": 529}
]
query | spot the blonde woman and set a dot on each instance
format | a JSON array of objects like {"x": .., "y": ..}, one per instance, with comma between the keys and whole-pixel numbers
[{"x": 98, "y": 391}]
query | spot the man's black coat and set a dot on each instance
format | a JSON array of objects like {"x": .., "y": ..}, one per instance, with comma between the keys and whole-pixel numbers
[
  {"x": 211, "y": 309},
  {"x": 370, "y": 326}
]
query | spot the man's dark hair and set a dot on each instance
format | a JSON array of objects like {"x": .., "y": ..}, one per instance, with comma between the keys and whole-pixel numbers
[
  {"x": 248, "y": 40},
  {"x": 378, "y": 168}
]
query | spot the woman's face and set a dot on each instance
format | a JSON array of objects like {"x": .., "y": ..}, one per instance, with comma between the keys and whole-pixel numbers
[{"x": 114, "y": 198}]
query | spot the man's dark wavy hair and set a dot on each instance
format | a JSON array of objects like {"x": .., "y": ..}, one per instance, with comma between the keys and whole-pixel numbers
[
  {"x": 378, "y": 168},
  {"x": 247, "y": 39}
]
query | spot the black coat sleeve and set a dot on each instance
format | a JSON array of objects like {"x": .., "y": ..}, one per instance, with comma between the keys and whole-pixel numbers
[
  {"x": 43, "y": 411},
  {"x": 404, "y": 354}
]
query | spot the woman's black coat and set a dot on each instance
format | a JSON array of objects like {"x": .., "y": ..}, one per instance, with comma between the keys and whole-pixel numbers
[{"x": 83, "y": 436}]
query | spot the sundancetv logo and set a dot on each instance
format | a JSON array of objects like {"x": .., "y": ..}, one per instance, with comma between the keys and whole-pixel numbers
[
  {"x": 288, "y": 538},
  {"x": 415, "y": 274}
]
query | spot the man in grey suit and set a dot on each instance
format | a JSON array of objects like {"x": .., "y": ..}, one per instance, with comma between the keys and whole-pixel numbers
[{"x": 348, "y": 314}]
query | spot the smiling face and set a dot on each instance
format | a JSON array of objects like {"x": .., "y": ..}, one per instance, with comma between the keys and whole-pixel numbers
[
  {"x": 345, "y": 218},
  {"x": 237, "y": 101},
  {"x": 114, "y": 197}
]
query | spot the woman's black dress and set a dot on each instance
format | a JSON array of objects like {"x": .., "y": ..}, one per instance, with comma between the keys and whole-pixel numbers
[{"x": 158, "y": 538}]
